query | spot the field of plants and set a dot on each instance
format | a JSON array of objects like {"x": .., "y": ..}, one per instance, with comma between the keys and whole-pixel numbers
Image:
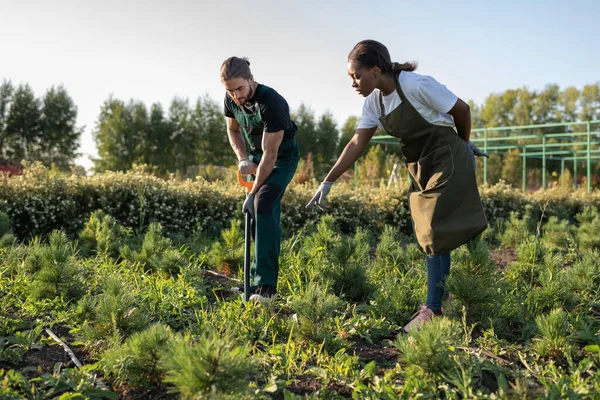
[{"x": 141, "y": 279}]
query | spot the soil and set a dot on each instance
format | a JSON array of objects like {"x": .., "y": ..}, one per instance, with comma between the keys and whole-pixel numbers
[
  {"x": 372, "y": 352},
  {"x": 503, "y": 257}
]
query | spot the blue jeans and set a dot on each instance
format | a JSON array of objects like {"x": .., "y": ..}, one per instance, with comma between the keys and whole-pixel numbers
[{"x": 438, "y": 269}]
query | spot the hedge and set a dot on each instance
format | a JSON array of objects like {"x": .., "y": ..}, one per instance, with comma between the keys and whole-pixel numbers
[{"x": 38, "y": 202}]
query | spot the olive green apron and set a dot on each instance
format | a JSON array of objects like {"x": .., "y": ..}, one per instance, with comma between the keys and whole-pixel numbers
[{"x": 443, "y": 197}]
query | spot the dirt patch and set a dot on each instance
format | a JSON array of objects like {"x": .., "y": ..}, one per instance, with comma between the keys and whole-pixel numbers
[
  {"x": 305, "y": 384},
  {"x": 43, "y": 360},
  {"x": 221, "y": 285},
  {"x": 63, "y": 333},
  {"x": 503, "y": 257},
  {"x": 47, "y": 357},
  {"x": 340, "y": 388},
  {"x": 219, "y": 279},
  {"x": 127, "y": 393},
  {"x": 374, "y": 352},
  {"x": 488, "y": 379},
  {"x": 6, "y": 366}
]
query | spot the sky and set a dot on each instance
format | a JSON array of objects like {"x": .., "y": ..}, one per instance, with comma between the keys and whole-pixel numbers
[{"x": 153, "y": 51}]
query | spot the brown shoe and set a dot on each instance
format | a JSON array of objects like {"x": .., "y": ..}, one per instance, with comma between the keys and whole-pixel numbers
[{"x": 424, "y": 315}]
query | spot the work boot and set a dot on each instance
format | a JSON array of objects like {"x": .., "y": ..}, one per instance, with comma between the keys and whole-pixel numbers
[{"x": 264, "y": 293}]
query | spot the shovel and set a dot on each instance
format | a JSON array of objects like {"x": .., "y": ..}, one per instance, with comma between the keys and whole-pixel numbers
[{"x": 247, "y": 236}]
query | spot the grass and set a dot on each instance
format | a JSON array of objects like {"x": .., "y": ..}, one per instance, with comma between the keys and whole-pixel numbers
[{"x": 141, "y": 308}]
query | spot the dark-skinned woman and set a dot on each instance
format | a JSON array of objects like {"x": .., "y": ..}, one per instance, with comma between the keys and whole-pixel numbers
[{"x": 433, "y": 126}]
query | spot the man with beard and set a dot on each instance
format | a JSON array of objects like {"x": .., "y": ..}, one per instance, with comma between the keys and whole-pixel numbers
[{"x": 258, "y": 119}]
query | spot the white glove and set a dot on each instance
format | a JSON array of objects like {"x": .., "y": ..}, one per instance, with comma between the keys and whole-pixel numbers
[
  {"x": 319, "y": 197},
  {"x": 247, "y": 167},
  {"x": 477, "y": 151}
]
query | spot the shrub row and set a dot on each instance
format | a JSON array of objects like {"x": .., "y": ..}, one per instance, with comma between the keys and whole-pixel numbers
[{"x": 38, "y": 202}]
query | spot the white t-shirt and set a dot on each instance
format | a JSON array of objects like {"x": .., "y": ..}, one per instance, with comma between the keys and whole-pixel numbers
[{"x": 429, "y": 97}]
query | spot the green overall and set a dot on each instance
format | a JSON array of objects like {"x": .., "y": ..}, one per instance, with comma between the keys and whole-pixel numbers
[
  {"x": 444, "y": 201},
  {"x": 266, "y": 224},
  {"x": 267, "y": 229}
]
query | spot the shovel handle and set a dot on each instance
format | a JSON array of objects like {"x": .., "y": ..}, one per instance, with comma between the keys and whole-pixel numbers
[{"x": 247, "y": 259}]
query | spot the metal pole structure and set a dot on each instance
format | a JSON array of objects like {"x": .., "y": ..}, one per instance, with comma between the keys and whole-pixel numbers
[
  {"x": 575, "y": 170},
  {"x": 589, "y": 158},
  {"x": 543, "y": 162},
  {"x": 524, "y": 169},
  {"x": 485, "y": 140}
]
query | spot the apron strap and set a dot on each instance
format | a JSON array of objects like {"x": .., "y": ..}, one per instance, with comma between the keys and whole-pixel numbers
[
  {"x": 399, "y": 88},
  {"x": 400, "y": 93},
  {"x": 381, "y": 107}
]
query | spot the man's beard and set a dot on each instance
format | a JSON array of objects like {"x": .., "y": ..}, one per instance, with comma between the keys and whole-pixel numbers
[
  {"x": 247, "y": 98},
  {"x": 250, "y": 94}
]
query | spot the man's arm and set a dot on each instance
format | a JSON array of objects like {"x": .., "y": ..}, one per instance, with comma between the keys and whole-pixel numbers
[
  {"x": 235, "y": 138},
  {"x": 461, "y": 113},
  {"x": 270, "y": 145}
]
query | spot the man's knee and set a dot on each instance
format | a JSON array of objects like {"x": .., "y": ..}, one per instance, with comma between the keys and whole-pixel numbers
[{"x": 267, "y": 196}]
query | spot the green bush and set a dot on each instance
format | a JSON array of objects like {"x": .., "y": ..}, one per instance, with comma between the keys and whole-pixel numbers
[
  {"x": 431, "y": 347},
  {"x": 554, "y": 336},
  {"x": 557, "y": 235},
  {"x": 155, "y": 253},
  {"x": 316, "y": 310},
  {"x": 59, "y": 274},
  {"x": 553, "y": 289},
  {"x": 389, "y": 252},
  {"x": 102, "y": 234},
  {"x": 8, "y": 240},
  {"x": 475, "y": 285},
  {"x": 345, "y": 271},
  {"x": 588, "y": 228},
  {"x": 530, "y": 252},
  {"x": 213, "y": 366},
  {"x": 34, "y": 258},
  {"x": 38, "y": 202},
  {"x": 4, "y": 224},
  {"x": 397, "y": 297},
  {"x": 517, "y": 229},
  {"x": 111, "y": 316},
  {"x": 227, "y": 255},
  {"x": 584, "y": 275},
  {"x": 138, "y": 361}
]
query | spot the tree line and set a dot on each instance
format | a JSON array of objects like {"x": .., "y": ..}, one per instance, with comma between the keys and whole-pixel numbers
[
  {"x": 38, "y": 129},
  {"x": 186, "y": 134}
]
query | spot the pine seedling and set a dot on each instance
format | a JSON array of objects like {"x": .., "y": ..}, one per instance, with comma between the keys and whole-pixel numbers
[
  {"x": 138, "y": 361},
  {"x": 213, "y": 366},
  {"x": 431, "y": 347}
]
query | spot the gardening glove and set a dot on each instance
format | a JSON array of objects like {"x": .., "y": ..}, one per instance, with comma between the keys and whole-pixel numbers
[
  {"x": 247, "y": 167},
  {"x": 249, "y": 205},
  {"x": 319, "y": 197},
  {"x": 477, "y": 151}
]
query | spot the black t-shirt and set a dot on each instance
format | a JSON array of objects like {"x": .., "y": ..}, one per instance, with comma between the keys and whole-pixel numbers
[{"x": 267, "y": 111}]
